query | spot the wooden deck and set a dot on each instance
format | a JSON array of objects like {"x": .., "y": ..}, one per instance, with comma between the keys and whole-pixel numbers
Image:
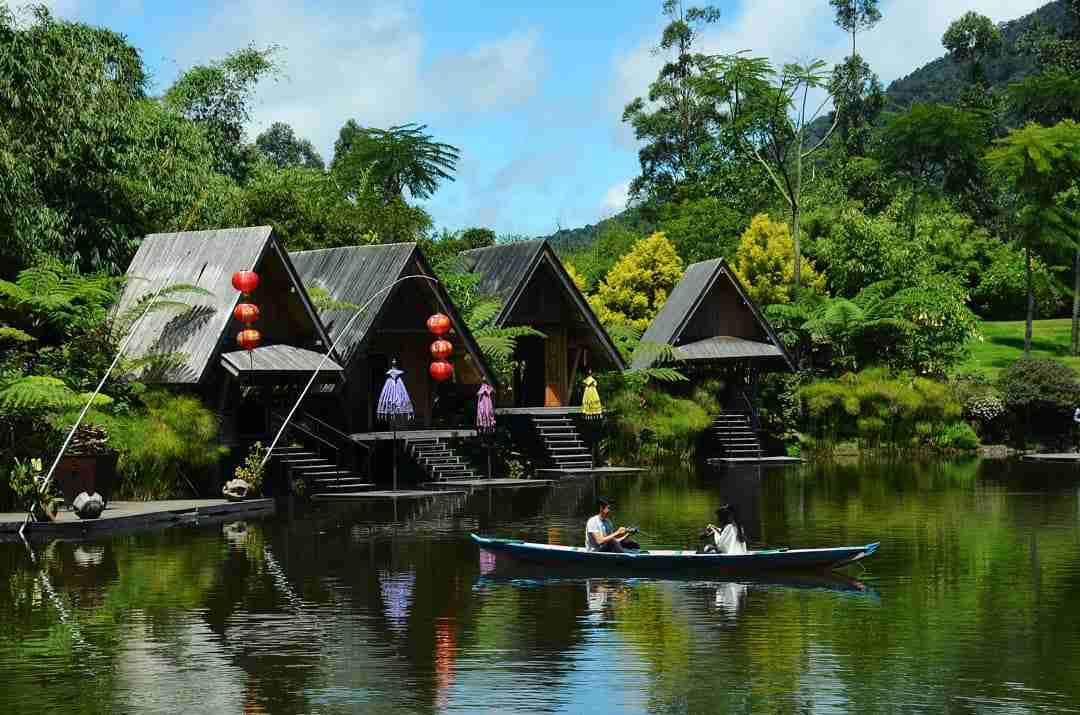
[
  {"x": 389, "y": 494},
  {"x": 131, "y": 515},
  {"x": 764, "y": 461},
  {"x": 580, "y": 473},
  {"x": 1058, "y": 457},
  {"x": 539, "y": 411},
  {"x": 488, "y": 484},
  {"x": 387, "y": 436}
]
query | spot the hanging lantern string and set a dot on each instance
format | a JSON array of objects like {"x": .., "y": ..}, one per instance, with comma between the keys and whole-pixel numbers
[{"x": 326, "y": 357}]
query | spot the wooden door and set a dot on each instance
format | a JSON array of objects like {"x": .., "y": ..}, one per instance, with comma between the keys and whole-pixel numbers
[{"x": 555, "y": 367}]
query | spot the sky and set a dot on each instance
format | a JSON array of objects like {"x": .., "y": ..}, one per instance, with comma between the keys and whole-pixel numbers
[{"x": 531, "y": 92}]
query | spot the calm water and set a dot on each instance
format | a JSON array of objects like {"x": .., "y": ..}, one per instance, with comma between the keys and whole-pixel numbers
[{"x": 971, "y": 605}]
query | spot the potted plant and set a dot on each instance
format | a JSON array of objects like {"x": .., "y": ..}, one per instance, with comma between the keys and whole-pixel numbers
[
  {"x": 28, "y": 483},
  {"x": 89, "y": 465},
  {"x": 248, "y": 477}
]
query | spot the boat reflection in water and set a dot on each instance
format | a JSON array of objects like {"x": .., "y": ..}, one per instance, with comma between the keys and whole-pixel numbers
[{"x": 726, "y": 597}]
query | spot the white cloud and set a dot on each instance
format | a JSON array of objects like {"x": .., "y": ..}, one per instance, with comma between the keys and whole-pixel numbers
[
  {"x": 615, "y": 199},
  {"x": 367, "y": 63}
]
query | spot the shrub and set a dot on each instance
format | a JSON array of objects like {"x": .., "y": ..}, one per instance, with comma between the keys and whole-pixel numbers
[
  {"x": 1001, "y": 292},
  {"x": 1040, "y": 395},
  {"x": 765, "y": 262}
]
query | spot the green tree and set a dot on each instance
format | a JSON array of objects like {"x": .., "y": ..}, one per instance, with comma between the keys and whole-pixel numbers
[
  {"x": 768, "y": 117},
  {"x": 673, "y": 123},
  {"x": 932, "y": 149},
  {"x": 1037, "y": 164},
  {"x": 638, "y": 284},
  {"x": 66, "y": 94},
  {"x": 765, "y": 262},
  {"x": 859, "y": 92},
  {"x": 854, "y": 16},
  {"x": 218, "y": 97},
  {"x": 702, "y": 228},
  {"x": 393, "y": 160},
  {"x": 973, "y": 38},
  {"x": 281, "y": 147}
]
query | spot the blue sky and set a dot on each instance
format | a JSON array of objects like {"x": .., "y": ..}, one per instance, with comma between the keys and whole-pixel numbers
[{"x": 531, "y": 92}]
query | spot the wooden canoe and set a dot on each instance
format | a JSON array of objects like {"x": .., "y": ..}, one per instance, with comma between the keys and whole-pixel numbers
[{"x": 674, "y": 561}]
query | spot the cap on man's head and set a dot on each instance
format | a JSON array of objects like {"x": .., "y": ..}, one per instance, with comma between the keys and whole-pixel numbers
[{"x": 606, "y": 501}]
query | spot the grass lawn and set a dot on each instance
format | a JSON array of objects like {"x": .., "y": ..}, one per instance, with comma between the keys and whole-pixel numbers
[{"x": 1003, "y": 344}]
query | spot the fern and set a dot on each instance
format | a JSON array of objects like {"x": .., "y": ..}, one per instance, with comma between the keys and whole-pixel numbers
[
  {"x": 38, "y": 392},
  {"x": 662, "y": 374},
  {"x": 656, "y": 353},
  {"x": 14, "y": 335},
  {"x": 482, "y": 313}
]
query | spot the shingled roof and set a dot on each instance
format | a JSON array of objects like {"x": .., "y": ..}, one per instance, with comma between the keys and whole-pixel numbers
[
  {"x": 359, "y": 274},
  {"x": 207, "y": 260},
  {"x": 688, "y": 299},
  {"x": 505, "y": 270}
]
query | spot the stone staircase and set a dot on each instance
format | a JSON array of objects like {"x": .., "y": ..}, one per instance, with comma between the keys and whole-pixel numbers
[
  {"x": 322, "y": 475},
  {"x": 439, "y": 460},
  {"x": 734, "y": 435},
  {"x": 563, "y": 445}
]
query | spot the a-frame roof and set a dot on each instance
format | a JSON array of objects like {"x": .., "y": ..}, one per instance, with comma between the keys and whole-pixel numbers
[
  {"x": 505, "y": 271},
  {"x": 688, "y": 299},
  {"x": 363, "y": 275},
  {"x": 206, "y": 260}
]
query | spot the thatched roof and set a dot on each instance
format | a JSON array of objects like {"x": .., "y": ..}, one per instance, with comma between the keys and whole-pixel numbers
[
  {"x": 360, "y": 275},
  {"x": 709, "y": 298},
  {"x": 201, "y": 329},
  {"x": 506, "y": 272}
]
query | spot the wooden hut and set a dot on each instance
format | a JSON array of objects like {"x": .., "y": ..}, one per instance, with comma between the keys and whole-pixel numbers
[
  {"x": 193, "y": 336},
  {"x": 536, "y": 291},
  {"x": 393, "y": 326},
  {"x": 717, "y": 328}
]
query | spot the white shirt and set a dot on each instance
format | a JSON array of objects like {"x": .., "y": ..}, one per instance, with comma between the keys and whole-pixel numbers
[
  {"x": 727, "y": 540},
  {"x": 596, "y": 525}
]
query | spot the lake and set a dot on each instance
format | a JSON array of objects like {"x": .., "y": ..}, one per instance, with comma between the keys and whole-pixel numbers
[{"x": 972, "y": 604}]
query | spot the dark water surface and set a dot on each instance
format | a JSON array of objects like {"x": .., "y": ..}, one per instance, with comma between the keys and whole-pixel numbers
[{"x": 971, "y": 605}]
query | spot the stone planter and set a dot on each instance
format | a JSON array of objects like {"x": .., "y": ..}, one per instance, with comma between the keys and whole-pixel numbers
[{"x": 86, "y": 473}]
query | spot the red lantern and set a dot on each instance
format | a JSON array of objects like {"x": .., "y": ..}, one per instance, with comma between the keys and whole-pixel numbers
[
  {"x": 249, "y": 339},
  {"x": 246, "y": 313},
  {"x": 245, "y": 281},
  {"x": 441, "y": 371},
  {"x": 441, "y": 349},
  {"x": 438, "y": 324}
]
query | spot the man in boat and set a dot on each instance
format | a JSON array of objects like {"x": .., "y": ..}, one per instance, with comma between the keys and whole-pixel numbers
[
  {"x": 728, "y": 537},
  {"x": 601, "y": 534}
]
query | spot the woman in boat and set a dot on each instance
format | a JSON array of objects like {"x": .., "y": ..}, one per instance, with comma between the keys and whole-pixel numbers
[{"x": 728, "y": 538}]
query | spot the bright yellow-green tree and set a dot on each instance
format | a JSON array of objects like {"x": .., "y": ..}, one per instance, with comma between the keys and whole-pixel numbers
[
  {"x": 637, "y": 286},
  {"x": 578, "y": 279},
  {"x": 765, "y": 263}
]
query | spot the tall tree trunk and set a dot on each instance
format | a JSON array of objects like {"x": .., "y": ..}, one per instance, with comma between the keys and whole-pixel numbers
[
  {"x": 1076, "y": 305},
  {"x": 796, "y": 211},
  {"x": 1030, "y": 302}
]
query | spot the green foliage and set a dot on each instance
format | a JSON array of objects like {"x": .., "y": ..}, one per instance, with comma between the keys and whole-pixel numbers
[
  {"x": 446, "y": 246},
  {"x": 854, "y": 16},
  {"x": 613, "y": 240},
  {"x": 673, "y": 122},
  {"x": 638, "y": 284},
  {"x": 972, "y": 38},
  {"x": 28, "y": 484},
  {"x": 165, "y": 447},
  {"x": 702, "y": 228},
  {"x": 765, "y": 263},
  {"x": 1041, "y": 396},
  {"x": 217, "y": 97},
  {"x": 398, "y": 158},
  {"x": 879, "y": 409},
  {"x": 281, "y": 147},
  {"x": 860, "y": 250},
  {"x": 252, "y": 470},
  {"x": 40, "y": 393},
  {"x": 1001, "y": 293},
  {"x": 308, "y": 209}
]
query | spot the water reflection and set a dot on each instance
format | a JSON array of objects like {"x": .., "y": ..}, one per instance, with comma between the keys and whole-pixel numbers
[{"x": 971, "y": 604}]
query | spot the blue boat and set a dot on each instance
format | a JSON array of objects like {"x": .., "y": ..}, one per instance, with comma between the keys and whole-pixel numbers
[{"x": 677, "y": 561}]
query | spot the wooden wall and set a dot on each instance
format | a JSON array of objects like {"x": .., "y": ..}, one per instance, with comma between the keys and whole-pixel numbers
[{"x": 722, "y": 312}]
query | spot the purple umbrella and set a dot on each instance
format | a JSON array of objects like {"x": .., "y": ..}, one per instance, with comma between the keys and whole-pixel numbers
[
  {"x": 485, "y": 416},
  {"x": 394, "y": 406}
]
